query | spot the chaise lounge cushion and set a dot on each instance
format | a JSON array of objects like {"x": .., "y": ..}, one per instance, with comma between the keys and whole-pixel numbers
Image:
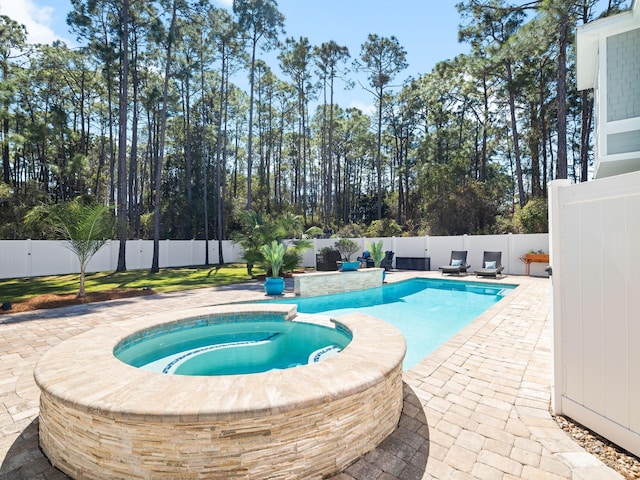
[
  {"x": 492, "y": 262},
  {"x": 457, "y": 263}
]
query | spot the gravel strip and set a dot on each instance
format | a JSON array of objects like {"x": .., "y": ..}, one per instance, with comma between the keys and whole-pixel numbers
[{"x": 623, "y": 462}]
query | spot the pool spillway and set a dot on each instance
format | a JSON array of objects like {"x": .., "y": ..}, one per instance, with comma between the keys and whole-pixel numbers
[{"x": 102, "y": 418}]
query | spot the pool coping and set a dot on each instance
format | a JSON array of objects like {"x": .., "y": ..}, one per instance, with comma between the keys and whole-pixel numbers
[{"x": 75, "y": 371}]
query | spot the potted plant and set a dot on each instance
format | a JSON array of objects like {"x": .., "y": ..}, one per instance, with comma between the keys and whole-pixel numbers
[
  {"x": 258, "y": 230},
  {"x": 347, "y": 248},
  {"x": 273, "y": 254},
  {"x": 377, "y": 254}
]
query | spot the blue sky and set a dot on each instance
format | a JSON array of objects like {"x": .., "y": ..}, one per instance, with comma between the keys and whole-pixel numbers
[{"x": 426, "y": 29}]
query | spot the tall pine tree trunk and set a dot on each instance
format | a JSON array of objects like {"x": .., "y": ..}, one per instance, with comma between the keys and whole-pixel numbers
[
  {"x": 155, "y": 263},
  {"x": 220, "y": 141},
  {"x": 134, "y": 211},
  {"x": 514, "y": 132},
  {"x": 122, "y": 140},
  {"x": 561, "y": 95},
  {"x": 250, "y": 139},
  {"x": 586, "y": 106}
]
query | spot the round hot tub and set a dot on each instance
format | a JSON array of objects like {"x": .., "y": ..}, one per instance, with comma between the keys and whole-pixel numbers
[
  {"x": 232, "y": 345},
  {"x": 103, "y": 418}
]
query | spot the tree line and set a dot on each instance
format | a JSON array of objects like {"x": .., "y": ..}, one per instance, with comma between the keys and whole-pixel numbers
[{"x": 147, "y": 116}]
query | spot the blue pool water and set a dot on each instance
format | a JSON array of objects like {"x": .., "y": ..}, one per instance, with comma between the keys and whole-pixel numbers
[
  {"x": 427, "y": 311},
  {"x": 231, "y": 346}
]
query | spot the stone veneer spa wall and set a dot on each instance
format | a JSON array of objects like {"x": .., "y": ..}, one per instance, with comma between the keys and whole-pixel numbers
[{"x": 101, "y": 418}]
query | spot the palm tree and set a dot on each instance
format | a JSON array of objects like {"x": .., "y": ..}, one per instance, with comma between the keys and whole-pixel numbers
[
  {"x": 84, "y": 228},
  {"x": 258, "y": 230}
]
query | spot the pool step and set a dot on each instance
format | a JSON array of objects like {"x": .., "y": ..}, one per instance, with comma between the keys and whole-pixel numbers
[{"x": 324, "y": 353}]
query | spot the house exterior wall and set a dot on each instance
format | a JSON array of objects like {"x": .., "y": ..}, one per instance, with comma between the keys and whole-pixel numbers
[
  {"x": 623, "y": 75},
  {"x": 608, "y": 60},
  {"x": 594, "y": 233},
  {"x": 623, "y": 89}
]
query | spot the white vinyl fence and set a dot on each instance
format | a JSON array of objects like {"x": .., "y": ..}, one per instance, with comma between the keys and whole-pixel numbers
[
  {"x": 595, "y": 233},
  {"x": 31, "y": 258}
]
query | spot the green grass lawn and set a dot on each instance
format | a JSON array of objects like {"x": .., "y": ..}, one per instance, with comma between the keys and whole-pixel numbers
[{"x": 166, "y": 280}]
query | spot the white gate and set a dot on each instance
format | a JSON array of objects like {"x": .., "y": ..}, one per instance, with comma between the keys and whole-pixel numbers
[{"x": 594, "y": 244}]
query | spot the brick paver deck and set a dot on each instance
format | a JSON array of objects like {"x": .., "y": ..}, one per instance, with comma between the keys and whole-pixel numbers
[{"x": 478, "y": 407}]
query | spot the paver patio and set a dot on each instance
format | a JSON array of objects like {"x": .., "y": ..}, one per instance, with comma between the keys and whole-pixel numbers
[{"x": 478, "y": 407}]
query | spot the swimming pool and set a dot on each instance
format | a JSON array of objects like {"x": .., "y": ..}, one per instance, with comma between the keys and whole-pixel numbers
[{"x": 427, "y": 311}]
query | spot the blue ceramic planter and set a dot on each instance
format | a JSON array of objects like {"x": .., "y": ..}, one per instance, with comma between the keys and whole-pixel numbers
[
  {"x": 350, "y": 266},
  {"x": 274, "y": 286}
]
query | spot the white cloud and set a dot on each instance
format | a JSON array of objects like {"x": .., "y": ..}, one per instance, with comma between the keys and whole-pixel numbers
[
  {"x": 37, "y": 20},
  {"x": 366, "y": 108}
]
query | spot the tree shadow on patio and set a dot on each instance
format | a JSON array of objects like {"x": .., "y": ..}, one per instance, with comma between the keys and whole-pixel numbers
[
  {"x": 404, "y": 453},
  {"x": 25, "y": 460}
]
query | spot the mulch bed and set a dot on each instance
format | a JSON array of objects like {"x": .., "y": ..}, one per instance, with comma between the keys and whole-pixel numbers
[{"x": 57, "y": 301}]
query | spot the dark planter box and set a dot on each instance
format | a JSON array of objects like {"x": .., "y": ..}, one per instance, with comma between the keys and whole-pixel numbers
[
  {"x": 413, "y": 263},
  {"x": 328, "y": 262}
]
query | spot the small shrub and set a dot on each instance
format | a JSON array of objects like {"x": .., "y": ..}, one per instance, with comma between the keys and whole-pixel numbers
[
  {"x": 387, "y": 227},
  {"x": 346, "y": 247},
  {"x": 533, "y": 217}
]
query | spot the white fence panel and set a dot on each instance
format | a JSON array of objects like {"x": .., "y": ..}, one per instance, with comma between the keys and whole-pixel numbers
[
  {"x": 596, "y": 298},
  {"x": 32, "y": 258},
  {"x": 14, "y": 258},
  {"x": 232, "y": 252},
  {"x": 139, "y": 254},
  {"x": 521, "y": 244},
  {"x": 27, "y": 258},
  {"x": 53, "y": 256},
  {"x": 439, "y": 249},
  {"x": 105, "y": 259},
  {"x": 177, "y": 253},
  {"x": 410, "y": 247}
]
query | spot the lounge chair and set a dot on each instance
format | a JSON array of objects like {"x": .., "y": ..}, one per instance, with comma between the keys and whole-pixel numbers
[
  {"x": 491, "y": 265},
  {"x": 457, "y": 263},
  {"x": 366, "y": 259},
  {"x": 387, "y": 261}
]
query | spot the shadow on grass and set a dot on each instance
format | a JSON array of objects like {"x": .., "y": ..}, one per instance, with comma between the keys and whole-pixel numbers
[{"x": 168, "y": 279}]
